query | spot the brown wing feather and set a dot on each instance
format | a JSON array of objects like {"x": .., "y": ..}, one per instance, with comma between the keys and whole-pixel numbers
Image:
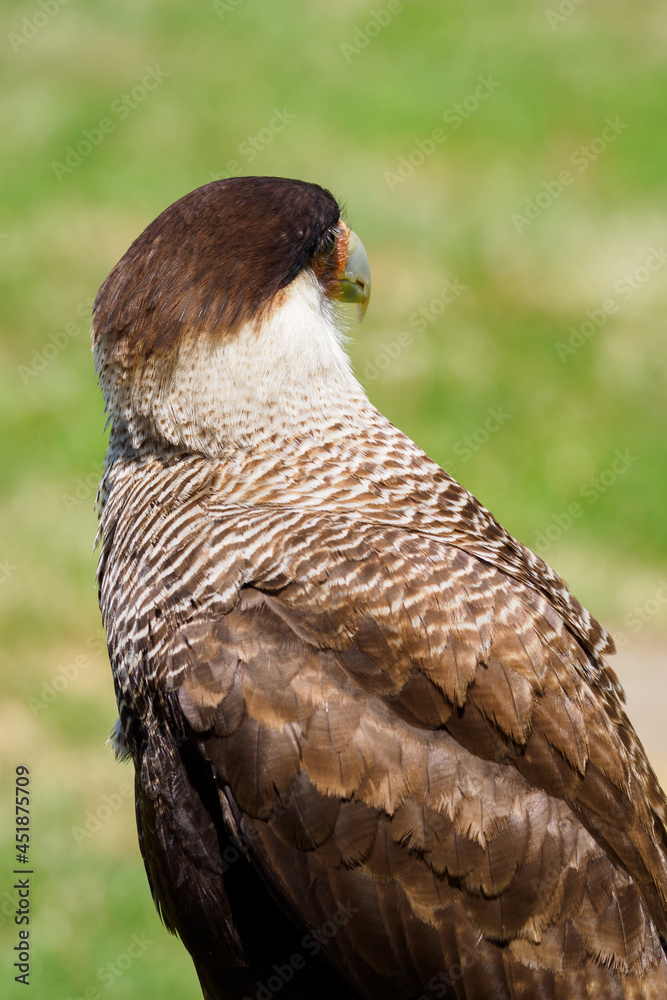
[
  {"x": 385, "y": 746},
  {"x": 392, "y": 716}
]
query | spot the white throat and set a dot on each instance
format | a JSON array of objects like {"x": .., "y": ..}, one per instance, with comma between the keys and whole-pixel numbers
[{"x": 290, "y": 377}]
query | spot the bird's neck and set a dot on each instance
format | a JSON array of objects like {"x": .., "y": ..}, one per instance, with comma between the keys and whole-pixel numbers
[{"x": 256, "y": 389}]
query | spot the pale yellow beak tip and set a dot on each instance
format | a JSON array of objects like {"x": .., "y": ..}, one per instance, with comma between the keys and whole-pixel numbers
[{"x": 356, "y": 283}]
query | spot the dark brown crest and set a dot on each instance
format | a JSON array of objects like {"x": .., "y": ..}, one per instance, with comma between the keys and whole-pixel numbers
[{"x": 211, "y": 261}]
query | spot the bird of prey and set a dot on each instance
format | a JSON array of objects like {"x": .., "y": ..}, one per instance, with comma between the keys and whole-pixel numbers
[{"x": 378, "y": 750}]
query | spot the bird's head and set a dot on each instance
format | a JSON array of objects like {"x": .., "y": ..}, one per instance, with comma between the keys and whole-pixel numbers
[{"x": 218, "y": 321}]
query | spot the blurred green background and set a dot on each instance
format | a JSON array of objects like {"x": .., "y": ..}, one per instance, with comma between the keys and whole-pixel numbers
[{"x": 504, "y": 165}]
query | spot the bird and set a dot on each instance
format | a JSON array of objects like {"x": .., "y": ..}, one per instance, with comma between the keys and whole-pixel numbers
[{"x": 378, "y": 748}]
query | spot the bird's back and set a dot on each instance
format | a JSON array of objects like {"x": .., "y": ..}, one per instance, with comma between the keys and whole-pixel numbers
[{"x": 378, "y": 730}]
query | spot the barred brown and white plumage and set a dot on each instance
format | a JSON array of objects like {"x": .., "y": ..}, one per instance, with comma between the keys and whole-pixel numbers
[{"x": 370, "y": 729}]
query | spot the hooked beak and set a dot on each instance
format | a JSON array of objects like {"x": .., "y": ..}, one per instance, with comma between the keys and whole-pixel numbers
[{"x": 355, "y": 285}]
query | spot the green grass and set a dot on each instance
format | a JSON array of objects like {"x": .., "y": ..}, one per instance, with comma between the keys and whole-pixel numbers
[{"x": 492, "y": 348}]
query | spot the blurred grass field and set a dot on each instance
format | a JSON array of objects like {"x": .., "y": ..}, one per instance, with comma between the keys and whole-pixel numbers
[{"x": 446, "y": 130}]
